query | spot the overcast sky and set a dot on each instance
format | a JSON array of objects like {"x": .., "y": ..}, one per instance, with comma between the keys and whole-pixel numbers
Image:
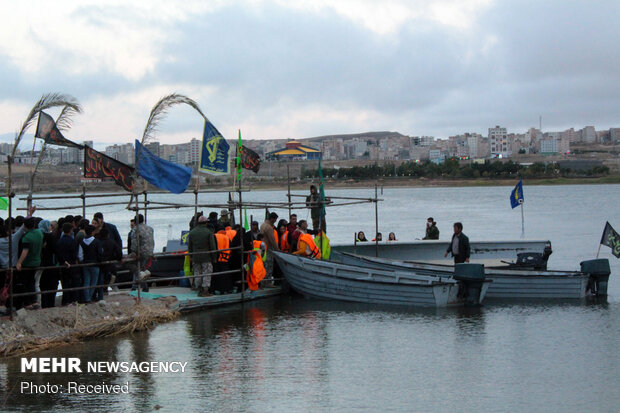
[{"x": 283, "y": 69}]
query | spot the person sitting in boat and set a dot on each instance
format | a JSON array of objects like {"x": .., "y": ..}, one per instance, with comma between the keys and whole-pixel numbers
[
  {"x": 283, "y": 236},
  {"x": 432, "y": 232},
  {"x": 322, "y": 242},
  {"x": 305, "y": 244},
  {"x": 378, "y": 237},
  {"x": 361, "y": 237},
  {"x": 392, "y": 237}
]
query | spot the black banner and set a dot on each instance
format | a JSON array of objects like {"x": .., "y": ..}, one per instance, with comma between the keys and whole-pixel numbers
[
  {"x": 100, "y": 166},
  {"x": 611, "y": 239},
  {"x": 250, "y": 159},
  {"x": 47, "y": 130}
]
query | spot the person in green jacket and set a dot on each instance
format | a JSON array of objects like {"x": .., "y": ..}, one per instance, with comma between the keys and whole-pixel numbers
[
  {"x": 432, "y": 232},
  {"x": 201, "y": 240},
  {"x": 29, "y": 259}
]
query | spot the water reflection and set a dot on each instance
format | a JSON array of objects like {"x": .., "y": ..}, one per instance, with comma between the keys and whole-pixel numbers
[{"x": 291, "y": 353}]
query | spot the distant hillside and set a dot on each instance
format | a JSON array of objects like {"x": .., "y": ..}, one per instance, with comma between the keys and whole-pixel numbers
[
  {"x": 364, "y": 135},
  {"x": 349, "y": 136}
]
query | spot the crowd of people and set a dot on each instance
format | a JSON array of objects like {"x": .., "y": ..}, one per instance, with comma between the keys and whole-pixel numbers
[
  {"x": 215, "y": 257},
  {"x": 73, "y": 251}
]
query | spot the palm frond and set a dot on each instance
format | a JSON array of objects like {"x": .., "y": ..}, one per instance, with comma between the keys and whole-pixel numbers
[
  {"x": 65, "y": 119},
  {"x": 160, "y": 110},
  {"x": 47, "y": 101}
]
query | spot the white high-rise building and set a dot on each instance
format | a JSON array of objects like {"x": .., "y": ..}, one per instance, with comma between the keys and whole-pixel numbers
[{"x": 498, "y": 140}]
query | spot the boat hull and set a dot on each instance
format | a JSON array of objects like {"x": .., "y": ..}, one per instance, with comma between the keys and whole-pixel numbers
[
  {"x": 327, "y": 280},
  {"x": 484, "y": 252},
  {"x": 507, "y": 283}
]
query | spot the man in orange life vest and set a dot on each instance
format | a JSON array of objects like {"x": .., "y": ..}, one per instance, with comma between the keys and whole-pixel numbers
[
  {"x": 270, "y": 238},
  {"x": 223, "y": 283},
  {"x": 305, "y": 244},
  {"x": 255, "y": 267}
]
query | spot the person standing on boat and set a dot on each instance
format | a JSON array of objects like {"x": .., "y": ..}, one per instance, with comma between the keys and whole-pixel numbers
[
  {"x": 313, "y": 201},
  {"x": 269, "y": 237},
  {"x": 459, "y": 246},
  {"x": 201, "y": 240},
  {"x": 432, "y": 232}
]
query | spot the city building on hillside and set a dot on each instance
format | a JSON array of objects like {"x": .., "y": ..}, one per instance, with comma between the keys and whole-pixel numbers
[
  {"x": 123, "y": 153},
  {"x": 293, "y": 151},
  {"x": 588, "y": 134},
  {"x": 498, "y": 139}
]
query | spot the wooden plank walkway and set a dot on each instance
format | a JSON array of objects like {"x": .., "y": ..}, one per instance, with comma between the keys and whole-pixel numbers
[{"x": 188, "y": 299}]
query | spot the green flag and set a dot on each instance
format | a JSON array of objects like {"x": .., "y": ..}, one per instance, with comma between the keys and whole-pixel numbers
[
  {"x": 4, "y": 203},
  {"x": 239, "y": 150},
  {"x": 246, "y": 224}
]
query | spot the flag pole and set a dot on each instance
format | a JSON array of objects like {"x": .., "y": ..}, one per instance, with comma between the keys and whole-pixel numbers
[
  {"x": 599, "y": 250},
  {"x": 522, "y": 222}
]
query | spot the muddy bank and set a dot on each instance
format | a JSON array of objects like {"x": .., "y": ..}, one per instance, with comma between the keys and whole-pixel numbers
[{"x": 33, "y": 330}]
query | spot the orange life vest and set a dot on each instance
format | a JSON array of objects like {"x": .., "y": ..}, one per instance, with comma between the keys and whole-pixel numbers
[
  {"x": 222, "y": 243},
  {"x": 256, "y": 268},
  {"x": 231, "y": 233},
  {"x": 315, "y": 252},
  {"x": 284, "y": 245},
  {"x": 276, "y": 237}
]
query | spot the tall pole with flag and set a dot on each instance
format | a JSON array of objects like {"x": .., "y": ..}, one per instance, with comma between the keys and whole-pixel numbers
[
  {"x": 516, "y": 199},
  {"x": 322, "y": 214},
  {"x": 239, "y": 150},
  {"x": 239, "y": 173}
]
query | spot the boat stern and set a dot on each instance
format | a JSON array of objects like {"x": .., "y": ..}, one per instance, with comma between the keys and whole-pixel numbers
[{"x": 598, "y": 270}]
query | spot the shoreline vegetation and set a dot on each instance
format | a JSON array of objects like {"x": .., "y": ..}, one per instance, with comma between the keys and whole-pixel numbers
[
  {"x": 385, "y": 182},
  {"x": 407, "y": 174}
]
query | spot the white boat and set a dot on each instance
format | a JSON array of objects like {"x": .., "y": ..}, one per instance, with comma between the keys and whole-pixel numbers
[
  {"x": 507, "y": 282},
  {"x": 331, "y": 280},
  {"x": 432, "y": 251}
]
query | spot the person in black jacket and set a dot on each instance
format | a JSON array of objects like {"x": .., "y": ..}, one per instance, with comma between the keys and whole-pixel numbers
[
  {"x": 111, "y": 228},
  {"x": 66, "y": 254},
  {"x": 49, "y": 278},
  {"x": 459, "y": 246},
  {"x": 89, "y": 252},
  {"x": 111, "y": 252}
]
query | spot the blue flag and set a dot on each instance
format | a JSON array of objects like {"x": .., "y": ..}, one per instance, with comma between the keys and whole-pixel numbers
[
  {"x": 214, "y": 158},
  {"x": 516, "y": 196},
  {"x": 160, "y": 172}
]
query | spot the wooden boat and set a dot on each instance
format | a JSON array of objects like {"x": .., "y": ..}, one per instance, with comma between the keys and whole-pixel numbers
[
  {"x": 507, "y": 282},
  {"x": 331, "y": 280}
]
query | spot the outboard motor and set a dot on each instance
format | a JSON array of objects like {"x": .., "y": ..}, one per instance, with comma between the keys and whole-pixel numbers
[
  {"x": 471, "y": 277},
  {"x": 599, "y": 272}
]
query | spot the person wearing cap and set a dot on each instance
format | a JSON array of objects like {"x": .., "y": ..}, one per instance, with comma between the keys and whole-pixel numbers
[
  {"x": 432, "y": 232},
  {"x": 225, "y": 219},
  {"x": 201, "y": 240}
]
